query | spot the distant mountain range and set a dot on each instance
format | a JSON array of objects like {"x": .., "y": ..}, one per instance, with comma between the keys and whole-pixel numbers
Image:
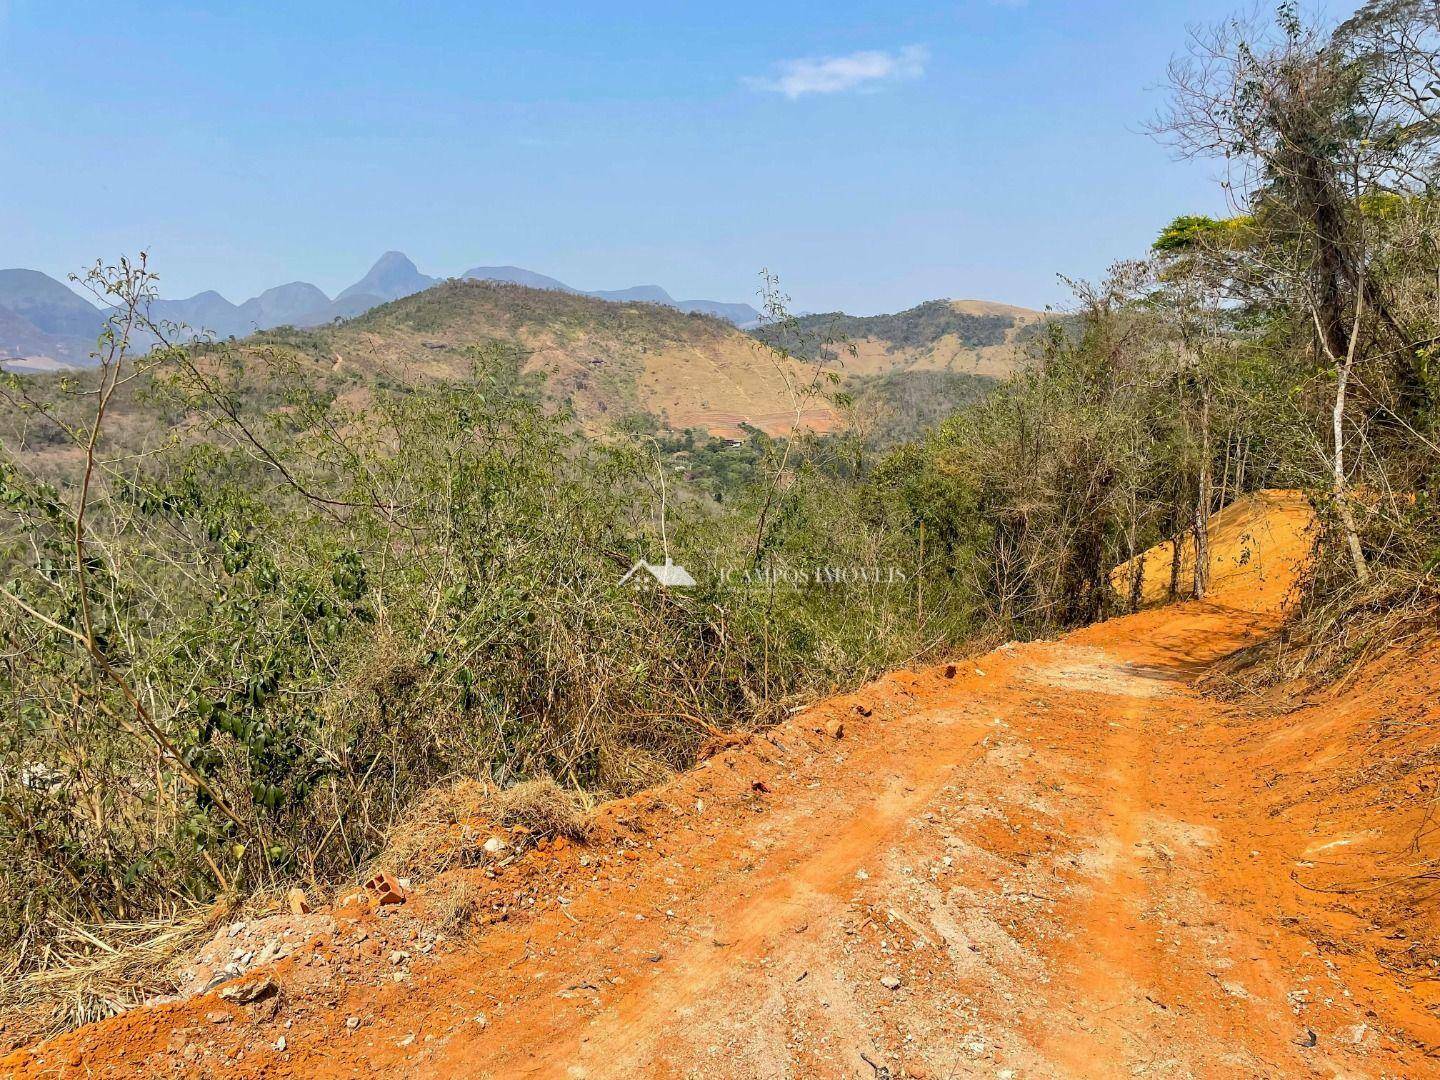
[
  {"x": 43, "y": 319},
  {"x": 607, "y": 362},
  {"x": 45, "y": 323}
]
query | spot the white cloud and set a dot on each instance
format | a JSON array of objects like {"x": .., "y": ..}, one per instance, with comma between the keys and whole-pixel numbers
[{"x": 834, "y": 74}]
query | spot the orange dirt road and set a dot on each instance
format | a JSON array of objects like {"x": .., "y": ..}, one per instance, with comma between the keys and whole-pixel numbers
[{"x": 1060, "y": 860}]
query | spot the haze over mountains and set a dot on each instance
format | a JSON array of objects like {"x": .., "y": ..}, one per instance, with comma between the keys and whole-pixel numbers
[
  {"x": 41, "y": 318},
  {"x": 609, "y": 362},
  {"x": 607, "y": 355},
  {"x": 44, "y": 321}
]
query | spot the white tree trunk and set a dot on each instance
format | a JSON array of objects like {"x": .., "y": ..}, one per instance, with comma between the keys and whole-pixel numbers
[
  {"x": 1339, "y": 487},
  {"x": 1342, "y": 497}
]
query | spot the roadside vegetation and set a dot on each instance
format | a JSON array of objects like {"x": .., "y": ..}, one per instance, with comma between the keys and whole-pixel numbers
[{"x": 251, "y": 616}]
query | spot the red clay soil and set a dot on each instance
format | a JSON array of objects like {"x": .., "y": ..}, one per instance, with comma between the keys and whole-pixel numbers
[{"x": 1061, "y": 860}]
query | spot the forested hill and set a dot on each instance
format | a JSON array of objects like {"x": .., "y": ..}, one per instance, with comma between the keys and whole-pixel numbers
[{"x": 974, "y": 336}]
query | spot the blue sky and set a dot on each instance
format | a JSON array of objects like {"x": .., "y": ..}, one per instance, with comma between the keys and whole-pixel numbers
[{"x": 873, "y": 154}]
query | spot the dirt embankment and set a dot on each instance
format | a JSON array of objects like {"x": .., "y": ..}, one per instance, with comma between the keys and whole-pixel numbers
[{"x": 1059, "y": 859}]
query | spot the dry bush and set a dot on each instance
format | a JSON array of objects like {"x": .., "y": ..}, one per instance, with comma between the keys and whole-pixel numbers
[
  {"x": 1339, "y": 630},
  {"x": 444, "y": 829},
  {"x": 447, "y": 826},
  {"x": 93, "y": 972},
  {"x": 545, "y": 810},
  {"x": 630, "y": 768}
]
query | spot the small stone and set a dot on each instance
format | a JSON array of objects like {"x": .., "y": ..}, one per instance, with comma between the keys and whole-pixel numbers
[
  {"x": 890, "y": 982},
  {"x": 862, "y": 875},
  {"x": 494, "y": 846},
  {"x": 397, "y": 958},
  {"x": 218, "y": 1017},
  {"x": 1306, "y": 1038},
  {"x": 244, "y": 993},
  {"x": 352, "y": 1022},
  {"x": 482, "y": 1020},
  {"x": 265, "y": 1009},
  {"x": 299, "y": 902},
  {"x": 280, "y": 1044},
  {"x": 950, "y": 671},
  {"x": 835, "y": 728}
]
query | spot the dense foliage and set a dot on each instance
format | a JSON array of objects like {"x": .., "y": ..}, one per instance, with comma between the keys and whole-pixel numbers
[
  {"x": 812, "y": 336},
  {"x": 235, "y": 656}
]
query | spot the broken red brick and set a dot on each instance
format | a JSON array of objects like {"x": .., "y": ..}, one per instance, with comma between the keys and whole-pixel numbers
[{"x": 386, "y": 889}]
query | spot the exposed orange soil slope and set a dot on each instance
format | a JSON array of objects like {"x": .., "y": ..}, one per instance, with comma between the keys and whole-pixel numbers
[
  {"x": 1255, "y": 544},
  {"x": 1061, "y": 861}
]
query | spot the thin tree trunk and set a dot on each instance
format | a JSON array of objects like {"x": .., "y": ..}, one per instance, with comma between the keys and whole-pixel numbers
[
  {"x": 1225, "y": 472},
  {"x": 1343, "y": 367},
  {"x": 1137, "y": 580},
  {"x": 1202, "y": 504},
  {"x": 1202, "y": 557},
  {"x": 1342, "y": 496}
]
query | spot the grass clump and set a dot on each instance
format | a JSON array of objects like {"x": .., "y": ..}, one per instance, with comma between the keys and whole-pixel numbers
[{"x": 545, "y": 810}]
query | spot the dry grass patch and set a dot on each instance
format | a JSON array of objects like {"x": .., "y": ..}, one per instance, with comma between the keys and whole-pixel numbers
[
  {"x": 453, "y": 901},
  {"x": 545, "y": 810},
  {"x": 448, "y": 826},
  {"x": 93, "y": 972}
]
